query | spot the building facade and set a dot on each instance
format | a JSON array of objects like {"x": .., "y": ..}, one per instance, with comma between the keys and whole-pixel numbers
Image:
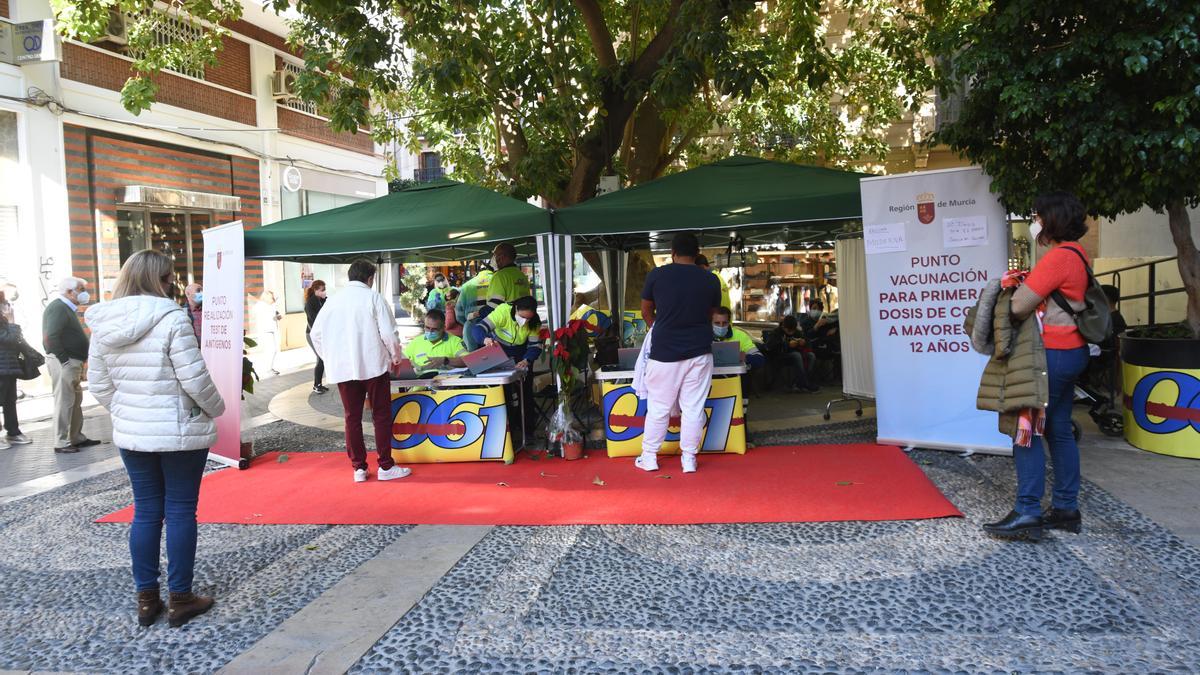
[{"x": 84, "y": 183}]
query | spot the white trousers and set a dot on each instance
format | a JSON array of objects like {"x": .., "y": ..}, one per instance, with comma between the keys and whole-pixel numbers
[{"x": 676, "y": 383}]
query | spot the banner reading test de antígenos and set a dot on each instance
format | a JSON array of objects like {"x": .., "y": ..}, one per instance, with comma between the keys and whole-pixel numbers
[
  {"x": 933, "y": 239},
  {"x": 221, "y": 331}
]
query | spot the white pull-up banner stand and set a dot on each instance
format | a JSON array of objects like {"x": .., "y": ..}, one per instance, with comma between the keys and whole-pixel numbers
[
  {"x": 222, "y": 329},
  {"x": 932, "y": 240}
]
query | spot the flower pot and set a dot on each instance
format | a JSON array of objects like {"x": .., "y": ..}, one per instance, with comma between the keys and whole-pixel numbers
[
  {"x": 1161, "y": 383},
  {"x": 572, "y": 451}
]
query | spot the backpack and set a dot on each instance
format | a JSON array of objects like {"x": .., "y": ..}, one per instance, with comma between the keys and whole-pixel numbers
[{"x": 1094, "y": 321}]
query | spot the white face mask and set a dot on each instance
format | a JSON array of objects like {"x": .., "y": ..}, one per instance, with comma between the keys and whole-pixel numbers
[
  {"x": 82, "y": 298},
  {"x": 1035, "y": 229},
  {"x": 521, "y": 321},
  {"x": 440, "y": 284}
]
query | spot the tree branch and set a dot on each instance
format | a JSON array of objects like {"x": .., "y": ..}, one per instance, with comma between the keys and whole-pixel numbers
[
  {"x": 602, "y": 40},
  {"x": 647, "y": 63}
]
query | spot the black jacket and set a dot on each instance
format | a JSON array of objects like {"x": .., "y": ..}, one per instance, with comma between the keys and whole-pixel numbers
[
  {"x": 12, "y": 343},
  {"x": 62, "y": 333},
  {"x": 312, "y": 307}
]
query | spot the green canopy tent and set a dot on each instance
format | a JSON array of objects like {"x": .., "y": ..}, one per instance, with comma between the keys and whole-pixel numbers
[
  {"x": 767, "y": 202},
  {"x": 434, "y": 222},
  {"x": 758, "y": 200}
]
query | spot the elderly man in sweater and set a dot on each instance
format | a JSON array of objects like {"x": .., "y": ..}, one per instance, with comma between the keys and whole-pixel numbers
[{"x": 66, "y": 351}]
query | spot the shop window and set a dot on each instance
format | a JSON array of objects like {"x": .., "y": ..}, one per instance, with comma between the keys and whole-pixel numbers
[{"x": 299, "y": 276}]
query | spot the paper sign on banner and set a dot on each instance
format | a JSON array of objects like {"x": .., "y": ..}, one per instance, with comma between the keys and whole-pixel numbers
[
  {"x": 962, "y": 232},
  {"x": 221, "y": 331},
  {"x": 884, "y": 238}
]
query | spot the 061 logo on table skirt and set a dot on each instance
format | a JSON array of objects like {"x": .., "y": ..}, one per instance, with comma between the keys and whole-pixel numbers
[
  {"x": 625, "y": 420},
  {"x": 457, "y": 425}
]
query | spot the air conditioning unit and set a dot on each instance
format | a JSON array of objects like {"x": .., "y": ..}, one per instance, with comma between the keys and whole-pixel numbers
[
  {"x": 283, "y": 84},
  {"x": 116, "y": 32}
]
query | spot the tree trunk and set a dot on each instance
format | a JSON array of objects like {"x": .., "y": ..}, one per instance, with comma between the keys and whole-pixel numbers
[{"x": 1189, "y": 260}]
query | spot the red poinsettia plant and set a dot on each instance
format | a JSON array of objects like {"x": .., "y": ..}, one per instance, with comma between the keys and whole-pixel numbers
[{"x": 570, "y": 352}]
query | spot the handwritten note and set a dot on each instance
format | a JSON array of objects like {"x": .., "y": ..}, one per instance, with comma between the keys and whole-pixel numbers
[
  {"x": 884, "y": 238},
  {"x": 962, "y": 232}
]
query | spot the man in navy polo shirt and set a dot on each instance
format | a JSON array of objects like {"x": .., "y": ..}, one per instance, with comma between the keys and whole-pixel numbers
[{"x": 678, "y": 302}]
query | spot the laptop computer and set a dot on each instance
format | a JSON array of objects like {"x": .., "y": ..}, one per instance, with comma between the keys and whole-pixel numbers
[
  {"x": 626, "y": 360},
  {"x": 726, "y": 354},
  {"x": 484, "y": 359},
  {"x": 405, "y": 371}
]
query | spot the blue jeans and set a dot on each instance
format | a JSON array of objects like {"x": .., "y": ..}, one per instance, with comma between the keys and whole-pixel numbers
[
  {"x": 166, "y": 486},
  {"x": 1063, "y": 367}
]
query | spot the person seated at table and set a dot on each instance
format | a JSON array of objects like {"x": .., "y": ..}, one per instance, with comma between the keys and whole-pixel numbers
[
  {"x": 724, "y": 331},
  {"x": 435, "y": 348},
  {"x": 514, "y": 326},
  {"x": 787, "y": 345}
]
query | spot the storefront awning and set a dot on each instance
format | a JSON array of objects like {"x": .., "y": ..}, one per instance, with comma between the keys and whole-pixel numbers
[
  {"x": 440, "y": 221},
  {"x": 153, "y": 196}
]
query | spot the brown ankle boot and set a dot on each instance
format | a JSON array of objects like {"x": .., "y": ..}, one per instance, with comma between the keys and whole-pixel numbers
[
  {"x": 149, "y": 606},
  {"x": 184, "y": 607}
]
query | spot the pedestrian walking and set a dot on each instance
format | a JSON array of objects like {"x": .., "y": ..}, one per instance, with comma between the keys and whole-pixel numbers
[
  {"x": 678, "y": 301},
  {"x": 145, "y": 368},
  {"x": 1058, "y": 223},
  {"x": 314, "y": 300},
  {"x": 355, "y": 334},
  {"x": 266, "y": 323},
  {"x": 66, "y": 351},
  {"x": 12, "y": 345}
]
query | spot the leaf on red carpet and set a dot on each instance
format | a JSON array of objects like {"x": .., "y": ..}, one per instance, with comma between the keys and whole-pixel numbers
[
  {"x": 502, "y": 484},
  {"x": 845, "y": 482},
  {"x": 663, "y": 476},
  {"x": 283, "y": 458},
  {"x": 548, "y": 475},
  {"x": 597, "y": 481}
]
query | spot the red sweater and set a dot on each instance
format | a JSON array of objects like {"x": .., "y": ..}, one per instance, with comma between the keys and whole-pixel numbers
[{"x": 1061, "y": 270}]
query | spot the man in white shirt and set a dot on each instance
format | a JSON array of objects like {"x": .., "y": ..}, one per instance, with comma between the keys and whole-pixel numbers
[{"x": 355, "y": 335}]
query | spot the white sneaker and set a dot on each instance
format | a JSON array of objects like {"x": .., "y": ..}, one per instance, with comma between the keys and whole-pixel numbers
[
  {"x": 19, "y": 439},
  {"x": 360, "y": 475},
  {"x": 646, "y": 462},
  {"x": 394, "y": 473},
  {"x": 4, "y": 445},
  {"x": 688, "y": 462}
]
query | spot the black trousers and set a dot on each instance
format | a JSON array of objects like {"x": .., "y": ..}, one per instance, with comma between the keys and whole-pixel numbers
[{"x": 319, "y": 371}]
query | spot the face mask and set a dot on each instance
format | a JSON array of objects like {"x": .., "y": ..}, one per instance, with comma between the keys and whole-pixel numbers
[
  {"x": 441, "y": 284},
  {"x": 521, "y": 321},
  {"x": 720, "y": 331},
  {"x": 1035, "y": 229},
  {"x": 433, "y": 335},
  {"x": 814, "y": 313},
  {"x": 82, "y": 298},
  {"x": 198, "y": 298}
]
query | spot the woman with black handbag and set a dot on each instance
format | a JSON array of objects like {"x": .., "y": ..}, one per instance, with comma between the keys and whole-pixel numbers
[{"x": 17, "y": 359}]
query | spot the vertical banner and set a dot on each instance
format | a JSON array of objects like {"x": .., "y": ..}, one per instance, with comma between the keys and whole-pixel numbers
[
  {"x": 932, "y": 240},
  {"x": 222, "y": 328}
]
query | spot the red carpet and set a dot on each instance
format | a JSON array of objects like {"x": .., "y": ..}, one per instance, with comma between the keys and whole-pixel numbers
[{"x": 766, "y": 485}]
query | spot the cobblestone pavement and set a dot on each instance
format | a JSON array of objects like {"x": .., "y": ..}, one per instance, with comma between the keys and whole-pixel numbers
[{"x": 930, "y": 595}]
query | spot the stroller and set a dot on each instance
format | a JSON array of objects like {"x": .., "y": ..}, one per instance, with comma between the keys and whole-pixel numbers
[{"x": 1099, "y": 388}]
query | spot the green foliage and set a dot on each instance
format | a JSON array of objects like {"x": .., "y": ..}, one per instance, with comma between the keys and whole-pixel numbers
[
  {"x": 87, "y": 21},
  {"x": 413, "y": 277},
  {"x": 1100, "y": 98}
]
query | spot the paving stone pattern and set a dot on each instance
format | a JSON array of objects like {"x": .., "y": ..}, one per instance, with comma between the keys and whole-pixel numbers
[
  {"x": 931, "y": 595},
  {"x": 67, "y": 598}
]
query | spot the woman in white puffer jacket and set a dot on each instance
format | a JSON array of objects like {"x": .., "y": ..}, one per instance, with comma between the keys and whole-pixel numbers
[{"x": 144, "y": 365}]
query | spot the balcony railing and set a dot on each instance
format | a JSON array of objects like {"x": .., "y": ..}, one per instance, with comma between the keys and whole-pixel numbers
[{"x": 429, "y": 175}]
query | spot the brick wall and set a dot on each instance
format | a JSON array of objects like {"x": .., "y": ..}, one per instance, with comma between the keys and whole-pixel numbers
[
  {"x": 305, "y": 126},
  {"x": 110, "y": 72},
  {"x": 100, "y": 165},
  {"x": 232, "y": 68},
  {"x": 4, "y": 8},
  {"x": 262, "y": 35}
]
